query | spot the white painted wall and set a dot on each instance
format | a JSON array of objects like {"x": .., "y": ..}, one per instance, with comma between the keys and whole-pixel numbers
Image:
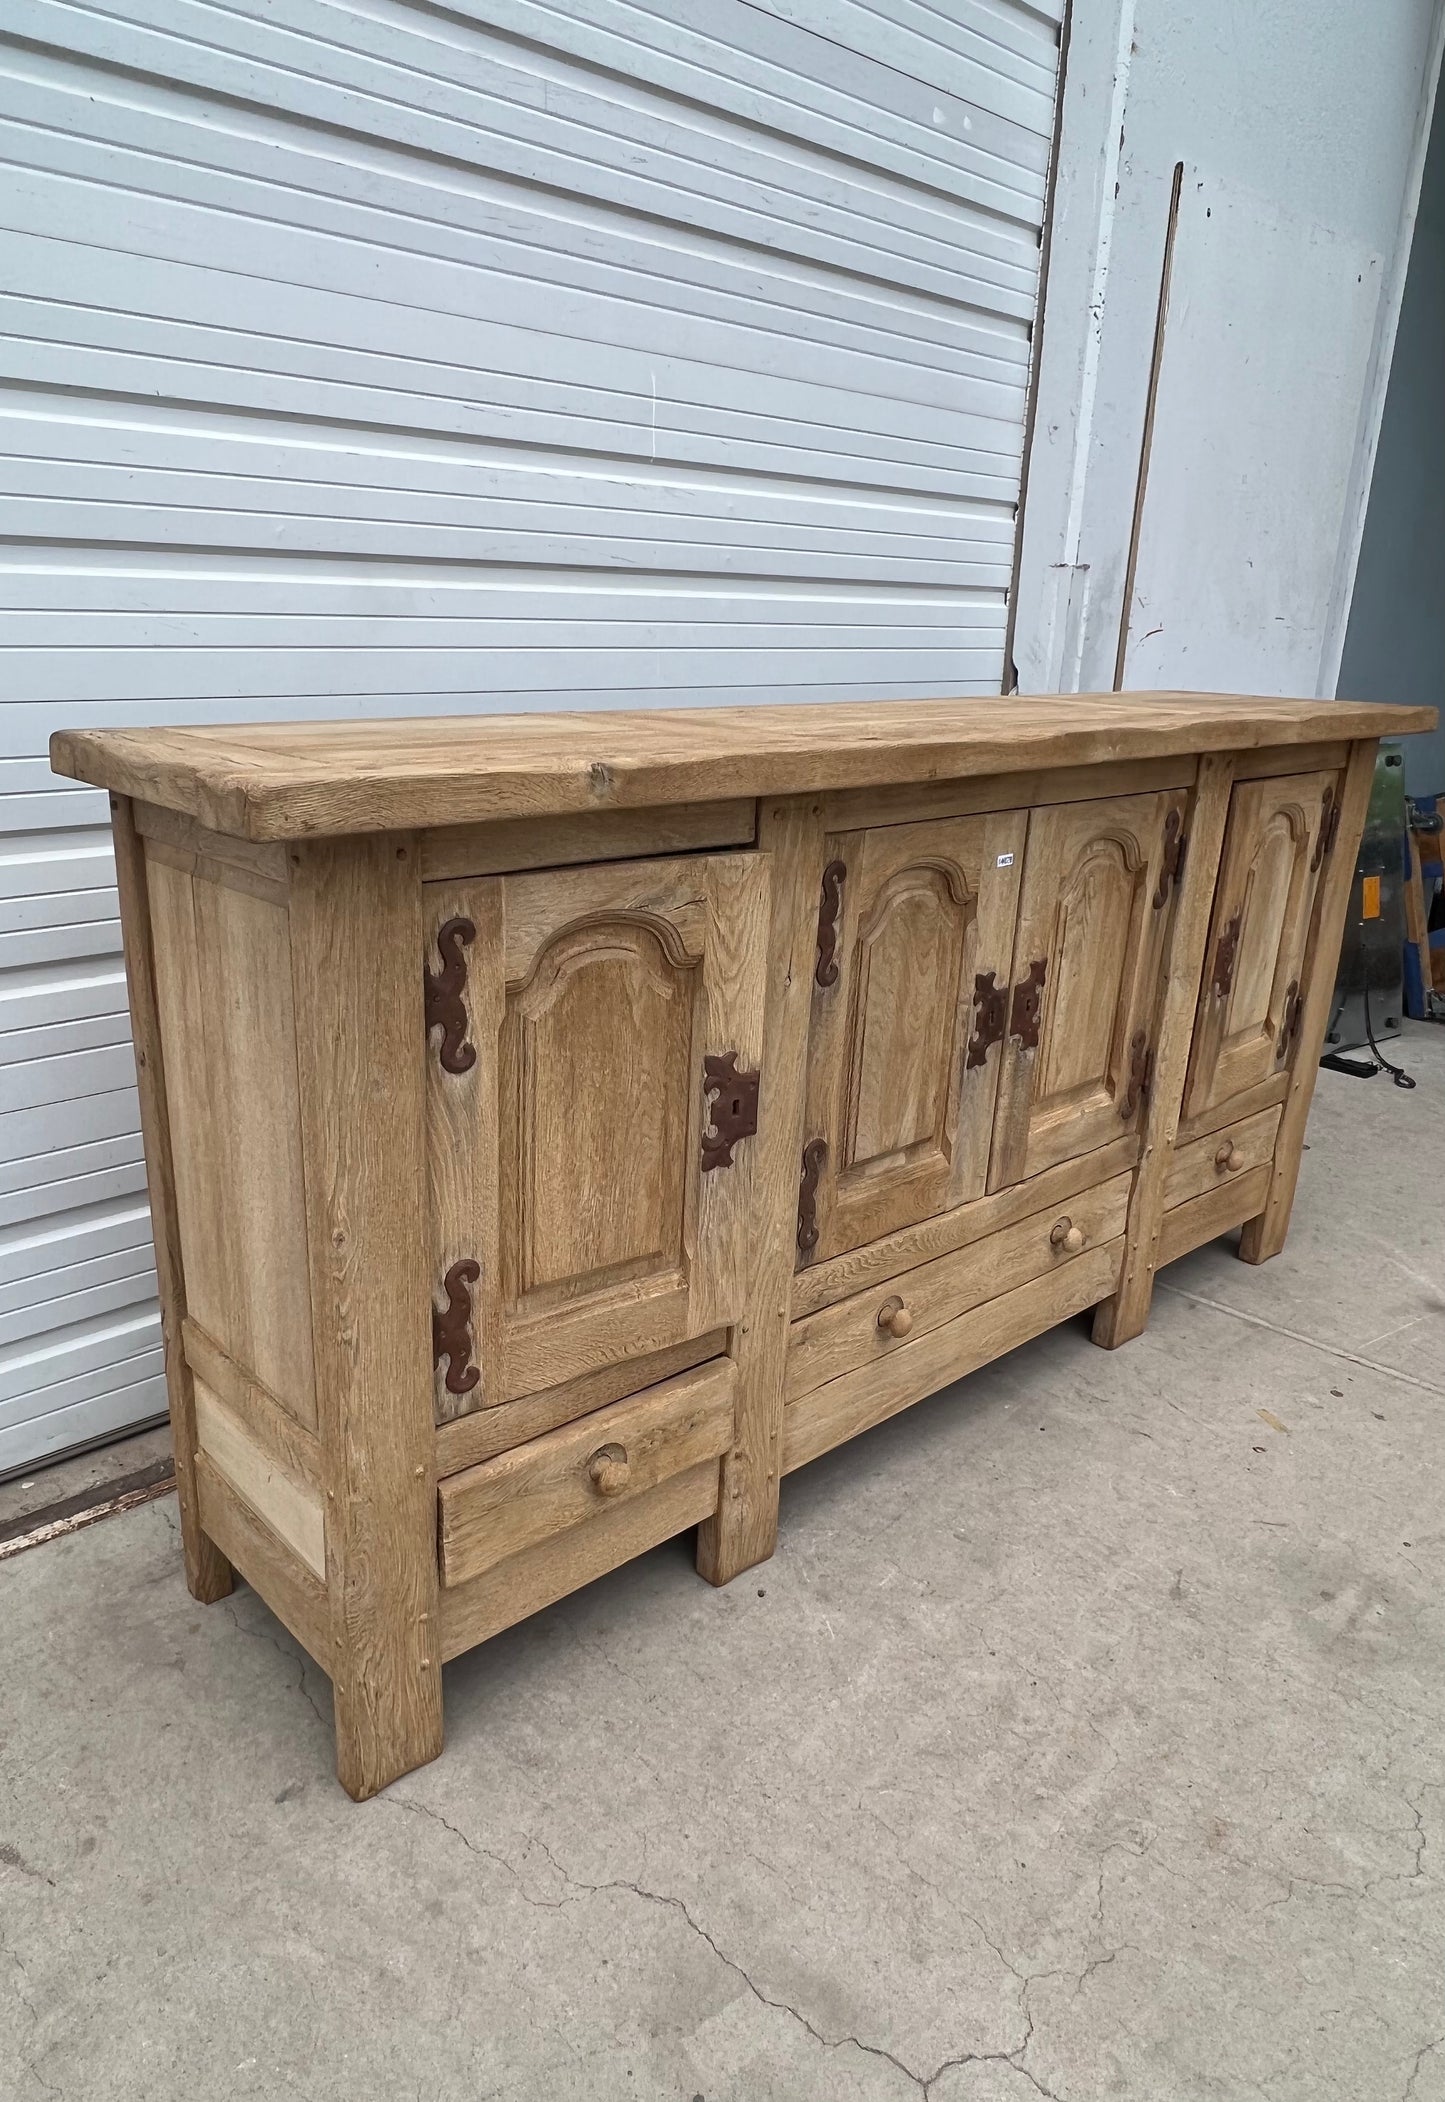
[{"x": 1301, "y": 127}]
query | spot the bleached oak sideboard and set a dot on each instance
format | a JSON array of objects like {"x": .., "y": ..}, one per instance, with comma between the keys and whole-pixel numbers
[{"x": 559, "y": 1127}]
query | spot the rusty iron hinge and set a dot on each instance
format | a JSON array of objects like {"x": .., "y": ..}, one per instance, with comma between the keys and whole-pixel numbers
[
  {"x": 731, "y": 1107},
  {"x": 1028, "y": 1006},
  {"x": 451, "y": 1331},
  {"x": 990, "y": 1012},
  {"x": 1290, "y": 1020},
  {"x": 1175, "y": 841},
  {"x": 1141, "y": 1075},
  {"x": 825, "y": 971},
  {"x": 815, "y": 1153},
  {"x": 1329, "y": 829},
  {"x": 1224, "y": 955},
  {"x": 445, "y": 1007}
]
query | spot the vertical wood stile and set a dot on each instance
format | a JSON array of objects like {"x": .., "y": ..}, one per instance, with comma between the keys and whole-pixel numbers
[
  {"x": 1120, "y": 1318},
  {"x": 1265, "y": 1234},
  {"x": 357, "y": 954},
  {"x": 744, "y": 1529},
  {"x": 208, "y": 1573}
]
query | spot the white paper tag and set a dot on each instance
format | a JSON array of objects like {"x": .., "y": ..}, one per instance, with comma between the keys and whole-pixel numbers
[{"x": 1005, "y": 861}]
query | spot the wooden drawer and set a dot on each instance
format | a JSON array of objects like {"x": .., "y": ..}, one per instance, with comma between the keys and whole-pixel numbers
[
  {"x": 873, "y": 1324},
  {"x": 582, "y": 1472},
  {"x": 1225, "y": 1155}
]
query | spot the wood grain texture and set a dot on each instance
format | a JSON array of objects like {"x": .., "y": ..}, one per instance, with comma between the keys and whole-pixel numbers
[
  {"x": 925, "y": 911},
  {"x": 1123, "y": 1316},
  {"x": 1263, "y": 909},
  {"x": 849, "y": 1336},
  {"x": 356, "y": 945},
  {"x": 606, "y": 835},
  {"x": 1264, "y": 1235},
  {"x": 267, "y": 1419},
  {"x": 293, "y": 780},
  {"x": 914, "y": 802},
  {"x": 223, "y": 976},
  {"x": 1087, "y": 918},
  {"x": 543, "y": 1488},
  {"x": 291, "y": 1506},
  {"x": 741, "y": 1528},
  {"x": 1265, "y": 1096},
  {"x": 826, "y": 1416},
  {"x": 1210, "y": 1162},
  {"x": 825, "y": 1283},
  {"x": 295, "y": 1594},
  {"x": 1205, "y": 1218},
  {"x": 1298, "y": 759},
  {"x": 466, "y": 1441},
  {"x": 208, "y": 1573},
  {"x": 540, "y": 1575}
]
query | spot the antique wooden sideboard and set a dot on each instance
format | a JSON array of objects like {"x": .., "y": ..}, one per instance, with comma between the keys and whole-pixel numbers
[{"x": 559, "y": 1127}]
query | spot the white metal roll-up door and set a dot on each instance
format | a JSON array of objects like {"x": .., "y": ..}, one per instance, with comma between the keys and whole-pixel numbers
[{"x": 377, "y": 358}]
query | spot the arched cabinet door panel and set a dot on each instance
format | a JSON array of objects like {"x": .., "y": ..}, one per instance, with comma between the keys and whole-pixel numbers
[
  {"x": 1254, "y": 965},
  {"x": 588, "y": 1060},
  {"x": 1094, "y": 917},
  {"x": 915, "y": 941}
]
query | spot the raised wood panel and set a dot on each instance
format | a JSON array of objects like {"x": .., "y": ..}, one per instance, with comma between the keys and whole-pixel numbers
[
  {"x": 924, "y": 911},
  {"x": 1089, "y": 922},
  {"x": 273, "y": 1569},
  {"x": 223, "y": 975},
  {"x": 567, "y": 1158},
  {"x": 1263, "y": 904},
  {"x": 290, "y": 1505}
]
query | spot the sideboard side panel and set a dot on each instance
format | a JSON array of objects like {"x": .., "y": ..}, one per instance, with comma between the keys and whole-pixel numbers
[
  {"x": 356, "y": 924},
  {"x": 1123, "y": 1315},
  {"x": 208, "y": 1573},
  {"x": 744, "y": 1528},
  {"x": 1264, "y": 1235}
]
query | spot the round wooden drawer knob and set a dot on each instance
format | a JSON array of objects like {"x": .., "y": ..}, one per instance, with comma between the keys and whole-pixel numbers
[
  {"x": 894, "y": 1319},
  {"x": 1229, "y": 1160},
  {"x": 1067, "y": 1237},
  {"x": 607, "y": 1470}
]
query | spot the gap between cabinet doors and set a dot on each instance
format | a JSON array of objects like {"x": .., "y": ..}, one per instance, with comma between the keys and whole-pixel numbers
[{"x": 984, "y": 1009}]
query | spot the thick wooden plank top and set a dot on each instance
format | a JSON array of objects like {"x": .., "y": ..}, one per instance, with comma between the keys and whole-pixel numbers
[{"x": 293, "y": 780}]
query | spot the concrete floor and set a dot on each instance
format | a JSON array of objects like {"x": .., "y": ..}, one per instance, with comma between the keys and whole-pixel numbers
[{"x": 1083, "y": 1740}]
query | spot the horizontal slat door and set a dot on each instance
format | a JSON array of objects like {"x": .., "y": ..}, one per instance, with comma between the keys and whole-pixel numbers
[
  {"x": 915, "y": 936},
  {"x": 580, "y": 1088},
  {"x": 1094, "y": 912},
  {"x": 1274, "y": 848}
]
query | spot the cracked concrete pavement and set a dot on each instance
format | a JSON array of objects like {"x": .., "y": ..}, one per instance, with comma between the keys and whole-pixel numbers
[{"x": 1083, "y": 1740}]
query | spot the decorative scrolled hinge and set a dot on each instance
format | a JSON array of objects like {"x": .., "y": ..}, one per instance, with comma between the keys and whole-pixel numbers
[
  {"x": 451, "y": 1330},
  {"x": 1224, "y": 955},
  {"x": 1175, "y": 841},
  {"x": 1329, "y": 827},
  {"x": 1028, "y": 1006},
  {"x": 815, "y": 1153},
  {"x": 732, "y": 1108},
  {"x": 1290, "y": 1020},
  {"x": 445, "y": 1007},
  {"x": 990, "y": 1013},
  {"x": 1141, "y": 1075},
  {"x": 825, "y": 970}
]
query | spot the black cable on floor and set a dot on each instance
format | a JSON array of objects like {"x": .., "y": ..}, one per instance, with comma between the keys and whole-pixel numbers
[{"x": 1397, "y": 1073}]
